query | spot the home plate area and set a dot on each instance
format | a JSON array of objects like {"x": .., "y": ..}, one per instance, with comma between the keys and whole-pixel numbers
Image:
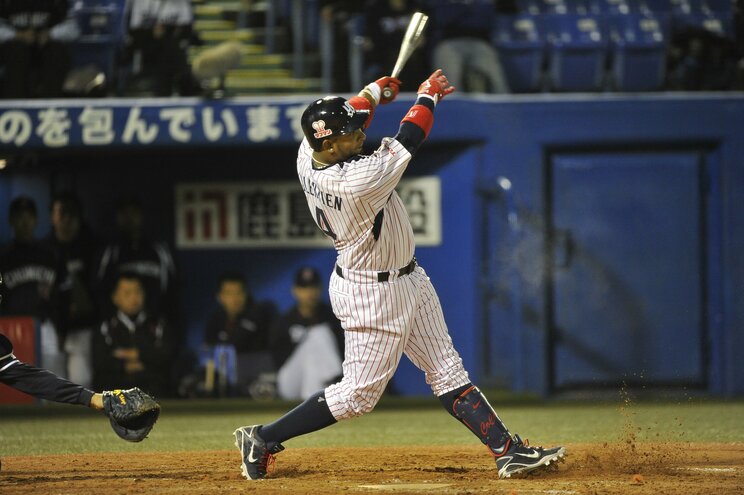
[{"x": 606, "y": 468}]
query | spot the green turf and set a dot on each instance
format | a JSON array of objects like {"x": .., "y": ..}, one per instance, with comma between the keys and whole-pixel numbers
[{"x": 208, "y": 425}]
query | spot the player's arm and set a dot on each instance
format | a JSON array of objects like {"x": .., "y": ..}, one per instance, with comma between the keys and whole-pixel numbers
[
  {"x": 371, "y": 96},
  {"x": 415, "y": 126}
]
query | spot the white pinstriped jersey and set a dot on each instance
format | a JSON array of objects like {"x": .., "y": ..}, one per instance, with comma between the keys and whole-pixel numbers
[{"x": 347, "y": 198}]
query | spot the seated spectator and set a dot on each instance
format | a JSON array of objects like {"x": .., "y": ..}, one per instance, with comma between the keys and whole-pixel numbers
[
  {"x": 133, "y": 253},
  {"x": 386, "y": 22},
  {"x": 462, "y": 44},
  {"x": 32, "y": 274},
  {"x": 34, "y": 46},
  {"x": 236, "y": 338},
  {"x": 160, "y": 32},
  {"x": 75, "y": 248},
  {"x": 307, "y": 342},
  {"x": 131, "y": 348}
]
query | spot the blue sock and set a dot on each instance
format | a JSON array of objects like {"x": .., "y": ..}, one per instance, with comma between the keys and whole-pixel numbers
[{"x": 310, "y": 416}]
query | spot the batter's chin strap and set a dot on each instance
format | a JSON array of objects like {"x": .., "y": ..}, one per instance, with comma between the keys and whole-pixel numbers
[{"x": 472, "y": 408}]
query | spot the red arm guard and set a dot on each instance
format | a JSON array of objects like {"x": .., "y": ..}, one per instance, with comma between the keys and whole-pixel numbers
[{"x": 421, "y": 116}]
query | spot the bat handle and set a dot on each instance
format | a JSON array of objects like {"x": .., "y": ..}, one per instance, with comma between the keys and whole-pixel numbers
[{"x": 387, "y": 92}]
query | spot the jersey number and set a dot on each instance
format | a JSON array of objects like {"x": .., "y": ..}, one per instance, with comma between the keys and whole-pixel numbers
[{"x": 322, "y": 220}]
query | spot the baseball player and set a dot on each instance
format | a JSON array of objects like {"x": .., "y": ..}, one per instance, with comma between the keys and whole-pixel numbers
[{"x": 382, "y": 296}]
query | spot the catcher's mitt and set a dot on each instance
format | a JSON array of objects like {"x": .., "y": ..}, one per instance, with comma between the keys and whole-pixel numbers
[{"x": 132, "y": 413}]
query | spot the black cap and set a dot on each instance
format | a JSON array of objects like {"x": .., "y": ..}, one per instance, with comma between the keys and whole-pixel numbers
[
  {"x": 307, "y": 277},
  {"x": 21, "y": 204},
  {"x": 328, "y": 117}
]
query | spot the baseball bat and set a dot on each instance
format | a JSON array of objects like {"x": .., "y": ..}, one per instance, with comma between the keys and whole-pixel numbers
[{"x": 410, "y": 42}]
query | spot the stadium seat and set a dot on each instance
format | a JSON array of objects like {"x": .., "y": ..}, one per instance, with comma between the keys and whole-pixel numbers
[
  {"x": 638, "y": 51},
  {"x": 605, "y": 7},
  {"x": 656, "y": 6},
  {"x": 718, "y": 23},
  {"x": 520, "y": 42},
  {"x": 726, "y": 6},
  {"x": 577, "y": 52},
  {"x": 102, "y": 34}
]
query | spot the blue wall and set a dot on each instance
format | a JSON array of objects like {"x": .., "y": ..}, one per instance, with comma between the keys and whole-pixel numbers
[{"x": 475, "y": 140}]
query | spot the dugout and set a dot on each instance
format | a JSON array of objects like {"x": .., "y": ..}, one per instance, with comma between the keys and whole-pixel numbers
[{"x": 577, "y": 242}]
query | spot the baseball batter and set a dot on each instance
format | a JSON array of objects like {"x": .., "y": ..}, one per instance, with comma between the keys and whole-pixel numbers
[{"x": 382, "y": 296}]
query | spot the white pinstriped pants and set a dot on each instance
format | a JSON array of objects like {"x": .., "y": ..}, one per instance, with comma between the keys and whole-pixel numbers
[{"x": 381, "y": 321}]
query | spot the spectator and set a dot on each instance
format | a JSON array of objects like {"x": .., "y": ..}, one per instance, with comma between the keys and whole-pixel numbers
[
  {"x": 34, "y": 44},
  {"x": 236, "y": 338},
  {"x": 307, "y": 342},
  {"x": 132, "y": 347},
  {"x": 151, "y": 261},
  {"x": 240, "y": 320},
  {"x": 160, "y": 33},
  {"x": 336, "y": 14},
  {"x": 386, "y": 22},
  {"x": 32, "y": 273},
  {"x": 462, "y": 48},
  {"x": 75, "y": 247}
]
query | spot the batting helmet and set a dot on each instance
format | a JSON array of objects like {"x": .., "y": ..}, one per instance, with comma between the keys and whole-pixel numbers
[{"x": 330, "y": 116}]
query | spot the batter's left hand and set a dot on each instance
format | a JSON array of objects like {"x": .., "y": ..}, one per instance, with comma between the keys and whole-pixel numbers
[{"x": 389, "y": 88}]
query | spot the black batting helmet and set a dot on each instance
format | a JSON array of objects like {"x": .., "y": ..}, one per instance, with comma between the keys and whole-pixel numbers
[{"x": 330, "y": 116}]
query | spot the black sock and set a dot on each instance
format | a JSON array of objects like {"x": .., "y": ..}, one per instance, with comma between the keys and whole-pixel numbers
[
  {"x": 472, "y": 409},
  {"x": 311, "y": 415}
]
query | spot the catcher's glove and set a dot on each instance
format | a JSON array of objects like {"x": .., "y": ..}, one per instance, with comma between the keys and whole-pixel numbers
[{"x": 132, "y": 413}]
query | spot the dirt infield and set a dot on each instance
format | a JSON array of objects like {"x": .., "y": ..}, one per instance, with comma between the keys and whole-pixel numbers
[{"x": 618, "y": 468}]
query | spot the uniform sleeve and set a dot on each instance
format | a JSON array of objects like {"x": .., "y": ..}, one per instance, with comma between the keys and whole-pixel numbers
[
  {"x": 43, "y": 384},
  {"x": 375, "y": 177}
]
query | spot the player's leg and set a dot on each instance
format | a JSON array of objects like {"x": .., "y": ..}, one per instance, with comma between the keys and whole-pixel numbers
[
  {"x": 431, "y": 349},
  {"x": 374, "y": 344}
]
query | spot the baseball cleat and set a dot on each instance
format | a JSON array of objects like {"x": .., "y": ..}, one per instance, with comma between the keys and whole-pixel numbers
[
  {"x": 520, "y": 458},
  {"x": 258, "y": 456}
]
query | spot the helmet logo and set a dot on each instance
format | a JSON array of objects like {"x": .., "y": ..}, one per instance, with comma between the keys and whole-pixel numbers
[
  {"x": 349, "y": 109},
  {"x": 320, "y": 130}
]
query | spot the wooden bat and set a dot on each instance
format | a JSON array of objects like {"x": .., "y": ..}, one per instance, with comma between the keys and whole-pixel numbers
[{"x": 410, "y": 42}]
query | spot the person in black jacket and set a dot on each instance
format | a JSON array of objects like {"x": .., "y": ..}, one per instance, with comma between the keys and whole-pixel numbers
[
  {"x": 239, "y": 320},
  {"x": 75, "y": 247},
  {"x": 34, "y": 44},
  {"x": 32, "y": 277},
  {"x": 307, "y": 342},
  {"x": 131, "y": 348}
]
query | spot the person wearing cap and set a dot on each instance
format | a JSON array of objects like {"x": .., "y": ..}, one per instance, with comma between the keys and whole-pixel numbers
[
  {"x": 32, "y": 276},
  {"x": 307, "y": 341},
  {"x": 75, "y": 247}
]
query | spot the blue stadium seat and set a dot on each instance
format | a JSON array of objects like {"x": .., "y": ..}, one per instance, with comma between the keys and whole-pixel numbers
[
  {"x": 520, "y": 41},
  {"x": 720, "y": 5},
  {"x": 638, "y": 46},
  {"x": 102, "y": 32},
  {"x": 577, "y": 52},
  {"x": 605, "y": 7},
  {"x": 657, "y": 6},
  {"x": 553, "y": 6},
  {"x": 718, "y": 23}
]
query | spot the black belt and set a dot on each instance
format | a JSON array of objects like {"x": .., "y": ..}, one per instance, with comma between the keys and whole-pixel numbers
[{"x": 385, "y": 276}]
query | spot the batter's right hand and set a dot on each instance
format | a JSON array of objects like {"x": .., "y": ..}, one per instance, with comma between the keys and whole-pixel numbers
[
  {"x": 389, "y": 88},
  {"x": 436, "y": 86}
]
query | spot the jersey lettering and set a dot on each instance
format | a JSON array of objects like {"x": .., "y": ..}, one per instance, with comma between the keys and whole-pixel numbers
[{"x": 322, "y": 220}]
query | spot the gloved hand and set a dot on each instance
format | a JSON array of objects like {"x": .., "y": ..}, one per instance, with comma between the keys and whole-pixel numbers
[
  {"x": 436, "y": 86},
  {"x": 390, "y": 87},
  {"x": 132, "y": 413}
]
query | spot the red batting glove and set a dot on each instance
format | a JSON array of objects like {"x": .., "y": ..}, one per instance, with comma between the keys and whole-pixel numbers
[
  {"x": 436, "y": 87},
  {"x": 389, "y": 88}
]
